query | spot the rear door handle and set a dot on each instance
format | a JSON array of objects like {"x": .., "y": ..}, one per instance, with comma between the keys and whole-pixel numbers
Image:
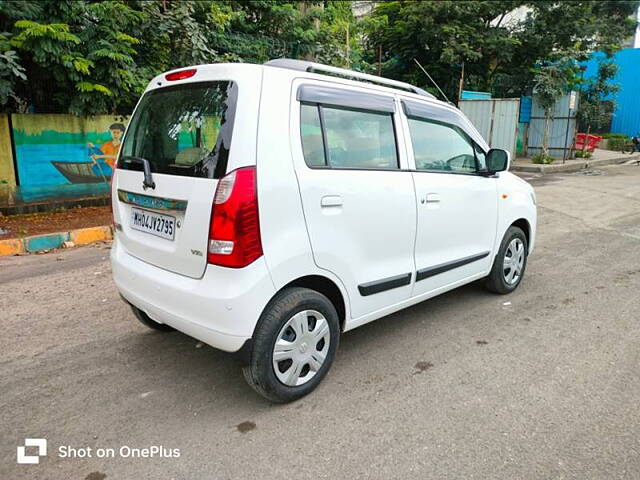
[
  {"x": 331, "y": 201},
  {"x": 431, "y": 198}
]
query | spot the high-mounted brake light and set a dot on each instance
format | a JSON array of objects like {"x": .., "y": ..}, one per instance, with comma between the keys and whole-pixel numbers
[
  {"x": 181, "y": 74},
  {"x": 234, "y": 233}
]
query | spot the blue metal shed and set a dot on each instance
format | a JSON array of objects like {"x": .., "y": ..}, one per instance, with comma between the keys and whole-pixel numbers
[{"x": 626, "y": 117}]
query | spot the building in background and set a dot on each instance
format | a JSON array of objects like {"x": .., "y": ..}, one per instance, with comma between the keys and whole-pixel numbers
[{"x": 362, "y": 8}]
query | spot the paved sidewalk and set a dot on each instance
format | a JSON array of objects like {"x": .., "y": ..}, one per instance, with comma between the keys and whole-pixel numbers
[
  {"x": 600, "y": 158},
  {"x": 50, "y": 241}
]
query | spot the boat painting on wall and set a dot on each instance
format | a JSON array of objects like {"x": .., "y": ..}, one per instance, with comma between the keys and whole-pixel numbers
[{"x": 64, "y": 155}]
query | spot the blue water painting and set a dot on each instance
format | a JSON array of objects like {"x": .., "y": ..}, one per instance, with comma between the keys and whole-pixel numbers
[
  {"x": 36, "y": 170},
  {"x": 41, "y": 181}
]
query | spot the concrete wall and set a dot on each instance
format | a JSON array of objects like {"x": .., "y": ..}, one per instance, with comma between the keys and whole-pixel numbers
[{"x": 7, "y": 173}]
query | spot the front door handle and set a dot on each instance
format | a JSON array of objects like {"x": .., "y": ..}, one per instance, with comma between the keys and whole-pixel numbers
[
  {"x": 431, "y": 198},
  {"x": 331, "y": 201}
]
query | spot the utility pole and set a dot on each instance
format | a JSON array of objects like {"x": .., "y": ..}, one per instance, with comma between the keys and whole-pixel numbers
[{"x": 461, "y": 85}]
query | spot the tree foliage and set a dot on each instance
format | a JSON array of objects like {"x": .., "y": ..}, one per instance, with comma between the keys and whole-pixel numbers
[
  {"x": 90, "y": 57},
  {"x": 552, "y": 80},
  {"x": 499, "y": 41},
  {"x": 596, "y": 102}
]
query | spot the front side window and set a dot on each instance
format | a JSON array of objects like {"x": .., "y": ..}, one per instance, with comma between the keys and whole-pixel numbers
[
  {"x": 183, "y": 130},
  {"x": 441, "y": 147},
  {"x": 351, "y": 138}
]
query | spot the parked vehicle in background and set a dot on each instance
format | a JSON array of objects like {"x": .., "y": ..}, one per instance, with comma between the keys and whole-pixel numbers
[{"x": 267, "y": 209}]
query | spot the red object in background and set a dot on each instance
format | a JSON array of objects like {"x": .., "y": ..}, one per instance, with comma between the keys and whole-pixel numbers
[{"x": 592, "y": 141}]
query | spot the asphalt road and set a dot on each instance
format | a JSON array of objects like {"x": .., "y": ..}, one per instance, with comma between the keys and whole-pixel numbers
[{"x": 543, "y": 383}]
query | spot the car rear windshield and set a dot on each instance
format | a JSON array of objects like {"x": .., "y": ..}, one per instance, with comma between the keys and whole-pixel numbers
[{"x": 182, "y": 130}]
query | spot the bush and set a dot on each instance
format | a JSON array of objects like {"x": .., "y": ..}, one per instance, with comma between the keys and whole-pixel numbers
[
  {"x": 617, "y": 143},
  {"x": 583, "y": 154},
  {"x": 607, "y": 136},
  {"x": 542, "y": 159}
]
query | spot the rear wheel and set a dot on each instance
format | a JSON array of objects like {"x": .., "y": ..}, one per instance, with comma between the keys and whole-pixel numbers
[
  {"x": 148, "y": 322},
  {"x": 510, "y": 262},
  {"x": 293, "y": 346}
]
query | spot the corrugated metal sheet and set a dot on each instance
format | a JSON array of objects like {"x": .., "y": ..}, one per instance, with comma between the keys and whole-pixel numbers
[
  {"x": 561, "y": 131},
  {"x": 626, "y": 117},
  {"x": 495, "y": 119}
]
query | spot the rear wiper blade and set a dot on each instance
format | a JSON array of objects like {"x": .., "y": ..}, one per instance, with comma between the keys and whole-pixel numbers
[{"x": 146, "y": 165}]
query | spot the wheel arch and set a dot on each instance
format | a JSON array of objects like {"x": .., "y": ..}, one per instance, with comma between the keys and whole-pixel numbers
[
  {"x": 326, "y": 287},
  {"x": 318, "y": 283},
  {"x": 524, "y": 225}
]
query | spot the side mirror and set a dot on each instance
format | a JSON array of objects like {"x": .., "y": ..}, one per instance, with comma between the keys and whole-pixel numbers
[{"x": 498, "y": 160}]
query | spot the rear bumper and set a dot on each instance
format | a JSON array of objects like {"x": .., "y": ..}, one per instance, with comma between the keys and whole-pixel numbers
[{"x": 220, "y": 309}]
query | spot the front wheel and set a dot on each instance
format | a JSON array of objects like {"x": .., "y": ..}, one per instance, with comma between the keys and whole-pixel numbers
[
  {"x": 294, "y": 345},
  {"x": 510, "y": 262}
]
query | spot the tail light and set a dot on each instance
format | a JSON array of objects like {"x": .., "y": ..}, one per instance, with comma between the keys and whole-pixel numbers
[{"x": 234, "y": 234}]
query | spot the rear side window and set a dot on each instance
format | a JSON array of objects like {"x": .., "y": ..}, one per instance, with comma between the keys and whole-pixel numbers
[
  {"x": 183, "y": 130},
  {"x": 340, "y": 137},
  {"x": 311, "y": 131},
  {"x": 441, "y": 147}
]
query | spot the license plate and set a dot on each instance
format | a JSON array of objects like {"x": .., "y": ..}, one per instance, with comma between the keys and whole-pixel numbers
[{"x": 154, "y": 223}]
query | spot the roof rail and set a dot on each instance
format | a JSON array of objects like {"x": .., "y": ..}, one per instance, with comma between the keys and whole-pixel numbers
[{"x": 306, "y": 66}]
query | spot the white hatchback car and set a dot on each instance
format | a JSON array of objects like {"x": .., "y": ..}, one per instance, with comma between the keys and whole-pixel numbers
[{"x": 266, "y": 209}]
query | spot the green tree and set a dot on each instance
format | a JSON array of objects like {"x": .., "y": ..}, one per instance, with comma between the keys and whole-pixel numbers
[
  {"x": 499, "y": 47},
  {"x": 596, "y": 102},
  {"x": 552, "y": 80},
  {"x": 81, "y": 59},
  {"x": 442, "y": 35},
  {"x": 88, "y": 57}
]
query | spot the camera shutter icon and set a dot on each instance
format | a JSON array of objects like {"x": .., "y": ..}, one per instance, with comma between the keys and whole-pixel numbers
[{"x": 41, "y": 443}]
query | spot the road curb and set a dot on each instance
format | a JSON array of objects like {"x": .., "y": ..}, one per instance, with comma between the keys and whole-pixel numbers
[
  {"x": 574, "y": 166},
  {"x": 49, "y": 241}
]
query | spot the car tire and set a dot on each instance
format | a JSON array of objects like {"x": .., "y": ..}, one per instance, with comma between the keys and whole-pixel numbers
[
  {"x": 294, "y": 344},
  {"x": 505, "y": 279},
  {"x": 149, "y": 323}
]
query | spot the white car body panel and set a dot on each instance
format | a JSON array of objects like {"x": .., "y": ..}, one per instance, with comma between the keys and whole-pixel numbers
[
  {"x": 381, "y": 229},
  {"x": 193, "y": 224}
]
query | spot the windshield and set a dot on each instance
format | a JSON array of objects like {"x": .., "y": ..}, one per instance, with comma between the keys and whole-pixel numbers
[{"x": 183, "y": 130}]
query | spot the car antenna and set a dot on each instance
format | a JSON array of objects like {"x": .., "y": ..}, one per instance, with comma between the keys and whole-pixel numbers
[{"x": 434, "y": 82}]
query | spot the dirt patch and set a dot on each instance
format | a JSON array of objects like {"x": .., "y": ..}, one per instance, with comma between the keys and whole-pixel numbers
[
  {"x": 18, "y": 226},
  {"x": 245, "y": 427},
  {"x": 422, "y": 366},
  {"x": 96, "y": 476}
]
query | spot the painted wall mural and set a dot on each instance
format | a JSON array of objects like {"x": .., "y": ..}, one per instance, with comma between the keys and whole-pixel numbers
[{"x": 63, "y": 155}]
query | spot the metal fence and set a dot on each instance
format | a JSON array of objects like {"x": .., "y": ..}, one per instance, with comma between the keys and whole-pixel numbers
[
  {"x": 496, "y": 119},
  {"x": 562, "y": 130}
]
